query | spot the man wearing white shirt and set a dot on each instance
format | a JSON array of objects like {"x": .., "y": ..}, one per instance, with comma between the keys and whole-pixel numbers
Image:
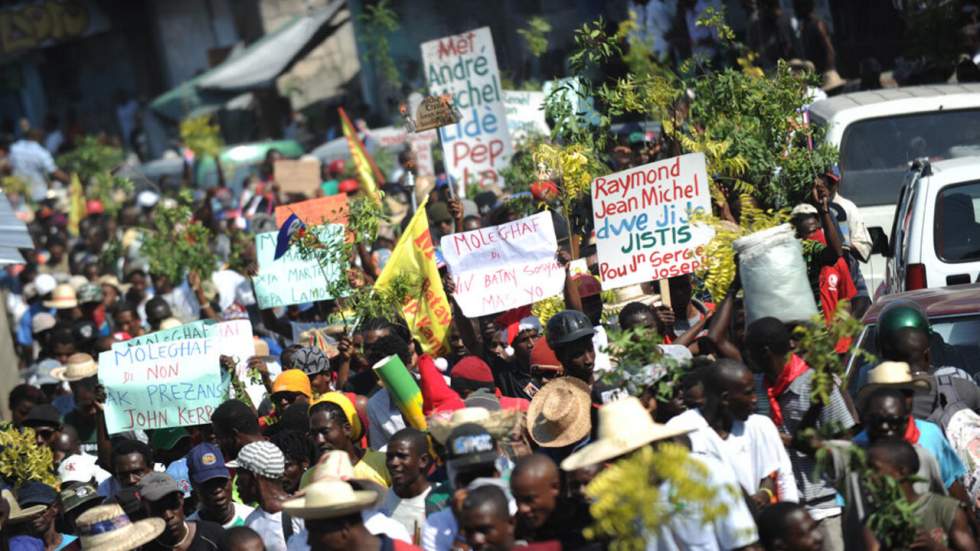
[
  {"x": 32, "y": 162},
  {"x": 727, "y": 430},
  {"x": 407, "y": 459}
]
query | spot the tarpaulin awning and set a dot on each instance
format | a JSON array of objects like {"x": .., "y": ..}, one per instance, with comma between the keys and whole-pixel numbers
[
  {"x": 13, "y": 234},
  {"x": 255, "y": 66}
]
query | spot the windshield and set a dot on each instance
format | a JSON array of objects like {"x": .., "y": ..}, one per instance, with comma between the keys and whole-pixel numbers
[
  {"x": 957, "y": 237},
  {"x": 875, "y": 153},
  {"x": 955, "y": 343}
]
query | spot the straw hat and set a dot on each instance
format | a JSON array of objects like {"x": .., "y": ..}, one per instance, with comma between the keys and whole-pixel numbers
[
  {"x": 628, "y": 294},
  {"x": 897, "y": 375},
  {"x": 107, "y": 528},
  {"x": 832, "y": 81},
  {"x": 624, "y": 425},
  {"x": 329, "y": 499},
  {"x": 62, "y": 298},
  {"x": 79, "y": 366},
  {"x": 498, "y": 423},
  {"x": 16, "y": 513},
  {"x": 559, "y": 413}
]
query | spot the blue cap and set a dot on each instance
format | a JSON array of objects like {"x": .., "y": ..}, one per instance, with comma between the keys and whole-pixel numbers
[
  {"x": 205, "y": 462},
  {"x": 833, "y": 172},
  {"x": 36, "y": 493},
  {"x": 440, "y": 259}
]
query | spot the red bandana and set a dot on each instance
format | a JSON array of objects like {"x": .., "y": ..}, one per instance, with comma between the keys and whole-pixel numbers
[
  {"x": 793, "y": 369},
  {"x": 911, "y": 432}
]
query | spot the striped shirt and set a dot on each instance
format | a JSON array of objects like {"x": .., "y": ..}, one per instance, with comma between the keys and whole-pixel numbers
[{"x": 815, "y": 493}]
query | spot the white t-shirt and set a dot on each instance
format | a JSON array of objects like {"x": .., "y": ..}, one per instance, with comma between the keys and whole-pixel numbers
[
  {"x": 439, "y": 531},
  {"x": 242, "y": 513},
  {"x": 374, "y": 521},
  {"x": 753, "y": 450},
  {"x": 385, "y": 419},
  {"x": 687, "y": 531},
  {"x": 269, "y": 527},
  {"x": 410, "y": 513}
]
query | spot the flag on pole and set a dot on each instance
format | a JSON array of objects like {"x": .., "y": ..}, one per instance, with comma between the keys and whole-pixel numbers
[
  {"x": 368, "y": 173},
  {"x": 289, "y": 228},
  {"x": 429, "y": 314},
  {"x": 76, "y": 204}
]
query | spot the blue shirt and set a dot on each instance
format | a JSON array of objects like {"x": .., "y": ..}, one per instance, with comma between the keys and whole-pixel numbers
[
  {"x": 25, "y": 336},
  {"x": 932, "y": 439}
]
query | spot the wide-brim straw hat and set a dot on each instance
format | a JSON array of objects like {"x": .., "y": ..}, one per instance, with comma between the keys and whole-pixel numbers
[
  {"x": 107, "y": 528},
  {"x": 498, "y": 423},
  {"x": 624, "y": 426},
  {"x": 79, "y": 366},
  {"x": 628, "y": 294},
  {"x": 832, "y": 81},
  {"x": 329, "y": 499},
  {"x": 896, "y": 375},
  {"x": 16, "y": 513},
  {"x": 62, "y": 298},
  {"x": 560, "y": 413}
]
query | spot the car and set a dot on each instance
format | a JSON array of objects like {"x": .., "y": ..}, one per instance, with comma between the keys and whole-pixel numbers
[
  {"x": 878, "y": 132},
  {"x": 935, "y": 239},
  {"x": 954, "y": 316}
]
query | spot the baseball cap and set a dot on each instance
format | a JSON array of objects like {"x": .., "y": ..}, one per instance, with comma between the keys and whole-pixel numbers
[
  {"x": 78, "y": 468},
  {"x": 156, "y": 486},
  {"x": 42, "y": 373},
  {"x": 42, "y": 321},
  {"x": 263, "y": 459},
  {"x": 469, "y": 445},
  {"x": 36, "y": 493},
  {"x": 43, "y": 415},
  {"x": 76, "y": 496},
  {"x": 205, "y": 462},
  {"x": 44, "y": 284}
]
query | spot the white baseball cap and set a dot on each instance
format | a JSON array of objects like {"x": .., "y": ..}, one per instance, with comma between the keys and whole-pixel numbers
[{"x": 44, "y": 284}]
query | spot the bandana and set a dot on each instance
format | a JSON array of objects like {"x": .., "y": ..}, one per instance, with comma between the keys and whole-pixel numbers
[
  {"x": 911, "y": 432},
  {"x": 793, "y": 369}
]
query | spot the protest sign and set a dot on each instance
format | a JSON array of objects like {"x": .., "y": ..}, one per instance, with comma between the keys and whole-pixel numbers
[
  {"x": 433, "y": 112},
  {"x": 330, "y": 210},
  {"x": 465, "y": 66},
  {"x": 643, "y": 220},
  {"x": 161, "y": 385},
  {"x": 390, "y": 137},
  {"x": 428, "y": 316},
  {"x": 525, "y": 113},
  {"x": 292, "y": 279},
  {"x": 503, "y": 267},
  {"x": 195, "y": 330},
  {"x": 301, "y": 176}
]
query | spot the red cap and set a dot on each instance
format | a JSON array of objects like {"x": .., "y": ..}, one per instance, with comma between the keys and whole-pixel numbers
[
  {"x": 94, "y": 206},
  {"x": 543, "y": 190},
  {"x": 336, "y": 166},
  {"x": 472, "y": 368},
  {"x": 543, "y": 356},
  {"x": 347, "y": 186},
  {"x": 588, "y": 285}
]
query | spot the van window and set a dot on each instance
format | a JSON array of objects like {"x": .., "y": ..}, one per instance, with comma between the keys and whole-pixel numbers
[
  {"x": 957, "y": 226},
  {"x": 875, "y": 152}
]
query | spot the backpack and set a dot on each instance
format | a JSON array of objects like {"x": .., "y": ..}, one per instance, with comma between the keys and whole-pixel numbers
[{"x": 961, "y": 426}]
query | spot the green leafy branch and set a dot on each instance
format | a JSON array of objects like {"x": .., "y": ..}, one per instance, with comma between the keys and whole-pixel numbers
[
  {"x": 201, "y": 136},
  {"x": 176, "y": 244},
  {"x": 639, "y": 363},
  {"x": 816, "y": 344},
  {"x": 379, "y": 21},
  {"x": 95, "y": 163},
  {"x": 536, "y": 35}
]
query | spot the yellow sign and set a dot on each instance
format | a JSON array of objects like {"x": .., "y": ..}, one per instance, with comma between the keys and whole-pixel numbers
[{"x": 429, "y": 318}]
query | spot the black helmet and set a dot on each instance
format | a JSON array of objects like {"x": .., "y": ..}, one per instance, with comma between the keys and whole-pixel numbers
[{"x": 568, "y": 326}]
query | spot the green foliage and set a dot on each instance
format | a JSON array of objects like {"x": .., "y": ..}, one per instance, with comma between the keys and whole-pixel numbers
[
  {"x": 379, "y": 20},
  {"x": 21, "y": 459},
  {"x": 639, "y": 363},
  {"x": 536, "y": 35},
  {"x": 15, "y": 184},
  {"x": 177, "y": 245},
  {"x": 95, "y": 163},
  {"x": 629, "y": 517},
  {"x": 523, "y": 170},
  {"x": 201, "y": 136},
  {"x": 816, "y": 343}
]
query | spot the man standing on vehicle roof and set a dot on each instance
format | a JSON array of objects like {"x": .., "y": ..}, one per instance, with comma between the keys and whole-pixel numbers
[{"x": 857, "y": 240}]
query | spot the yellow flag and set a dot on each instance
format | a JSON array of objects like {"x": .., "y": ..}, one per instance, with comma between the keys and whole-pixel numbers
[
  {"x": 429, "y": 318},
  {"x": 76, "y": 204},
  {"x": 368, "y": 173}
]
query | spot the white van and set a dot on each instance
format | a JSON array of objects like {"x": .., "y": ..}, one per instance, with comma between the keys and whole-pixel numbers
[
  {"x": 880, "y": 132},
  {"x": 935, "y": 240}
]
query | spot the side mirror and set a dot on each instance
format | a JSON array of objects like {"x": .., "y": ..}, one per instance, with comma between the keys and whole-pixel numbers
[{"x": 879, "y": 242}]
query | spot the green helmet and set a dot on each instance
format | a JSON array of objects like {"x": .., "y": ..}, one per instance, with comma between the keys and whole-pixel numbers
[{"x": 901, "y": 314}]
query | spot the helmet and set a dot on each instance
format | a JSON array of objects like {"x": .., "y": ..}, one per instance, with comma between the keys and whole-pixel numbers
[
  {"x": 902, "y": 314},
  {"x": 568, "y": 326}
]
